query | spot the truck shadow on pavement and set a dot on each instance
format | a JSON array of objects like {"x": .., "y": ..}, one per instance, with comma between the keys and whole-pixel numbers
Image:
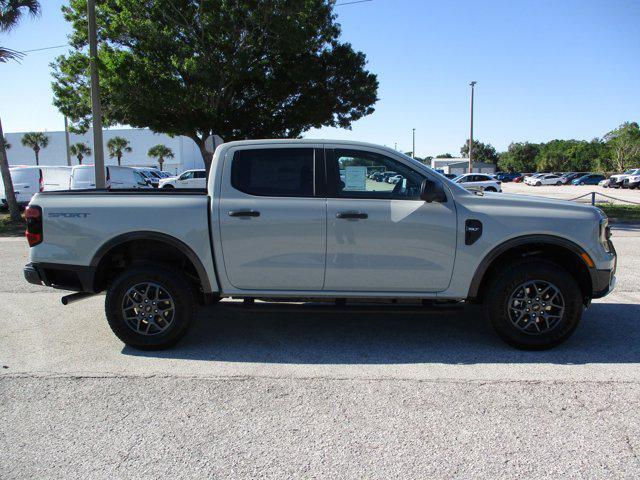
[{"x": 608, "y": 333}]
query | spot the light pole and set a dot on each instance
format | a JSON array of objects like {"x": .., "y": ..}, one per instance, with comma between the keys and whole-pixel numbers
[
  {"x": 413, "y": 152},
  {"x": 96, "y": 110},
  {"x": 473, "y": 84}
]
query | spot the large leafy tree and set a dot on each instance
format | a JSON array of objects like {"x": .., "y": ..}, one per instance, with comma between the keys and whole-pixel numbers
[
  {"x": 117, "y": 146},
  {"x": 624, "y": 144},
  {"x": 571, "y": 155},
  {"x": 35, "y": 141},
  {"x": 519, "y": 157},
  {"x": 80, "y": 150},
  {"x": 10, "y": 13},
  {"x": 160, "y": 152},
  {"x": 481, "y": 152},
  {"x": 241, "y": 69}
]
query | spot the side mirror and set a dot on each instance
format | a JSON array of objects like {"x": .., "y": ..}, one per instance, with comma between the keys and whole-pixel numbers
[{"x": 431, "y": 191}]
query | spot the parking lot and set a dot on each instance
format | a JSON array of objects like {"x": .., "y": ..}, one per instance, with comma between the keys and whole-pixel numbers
[
  {"x": 569, "y": 192},
  {"x": 316, "y": 395}
]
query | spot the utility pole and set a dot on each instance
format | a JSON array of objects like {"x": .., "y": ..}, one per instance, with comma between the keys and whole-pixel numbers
[
  {"x": 66, "y": 139},
  {"x": 472, "y": 84},
  {"x": 413, "y": 152},
  {"x": 96, "y": 109}
]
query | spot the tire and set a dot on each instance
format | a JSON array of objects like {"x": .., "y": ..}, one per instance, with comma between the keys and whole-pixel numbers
[
  {"x": 582, "y": 184},
  {"x": 558, "y": 184},
  {"x": 168, "y": 186},
  {"x": 490, "y": 189},
  {"x": 538, "y": 184},
  {"x": 500, "y": 293},
  {"x": 161, "y": 333}
]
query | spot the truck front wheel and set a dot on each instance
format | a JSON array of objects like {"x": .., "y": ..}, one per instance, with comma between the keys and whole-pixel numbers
[
  {"x": 150, "y": 307},
  {"x": 534, "y": 304}
]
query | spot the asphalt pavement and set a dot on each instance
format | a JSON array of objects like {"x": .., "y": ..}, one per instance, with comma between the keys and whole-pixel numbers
[{"x": 255, "y": 394}]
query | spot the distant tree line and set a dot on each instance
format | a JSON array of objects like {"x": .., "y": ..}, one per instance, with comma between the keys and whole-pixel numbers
[{"x": 617, "y": 151}]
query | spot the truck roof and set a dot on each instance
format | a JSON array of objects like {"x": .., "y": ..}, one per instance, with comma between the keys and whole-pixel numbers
[{"x": 304, "y": 141}]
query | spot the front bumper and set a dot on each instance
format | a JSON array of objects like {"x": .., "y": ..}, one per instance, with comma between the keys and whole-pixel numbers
[{"x": 604, "y": 281}]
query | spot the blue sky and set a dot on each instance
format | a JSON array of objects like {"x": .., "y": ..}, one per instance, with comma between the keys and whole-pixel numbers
[{"x": 545, "y": 69}]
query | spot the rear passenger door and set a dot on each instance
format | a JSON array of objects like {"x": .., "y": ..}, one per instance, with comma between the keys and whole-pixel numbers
[{"x": 272, "y": 212}]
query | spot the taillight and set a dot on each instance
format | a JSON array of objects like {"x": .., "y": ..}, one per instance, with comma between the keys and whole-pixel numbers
[
  {"x": 41, "y": 182},
  {"x": 33, "y": 216}
]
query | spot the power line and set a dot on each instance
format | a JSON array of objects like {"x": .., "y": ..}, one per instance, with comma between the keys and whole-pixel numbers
[
  {"x": 351, "y": 3},
  {"x": 45, "y": 48}
]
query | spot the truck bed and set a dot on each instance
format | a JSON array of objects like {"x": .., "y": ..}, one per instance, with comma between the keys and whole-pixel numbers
[{"x": 79, "y": 225}]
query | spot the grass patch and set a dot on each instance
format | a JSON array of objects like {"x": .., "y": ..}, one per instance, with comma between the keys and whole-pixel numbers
[
  {"x": 8, "y": 228},
  {"x": 625, "y": 213}
]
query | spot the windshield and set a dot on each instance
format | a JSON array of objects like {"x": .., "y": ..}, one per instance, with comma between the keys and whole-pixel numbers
[{"x": 458, "y": 178}]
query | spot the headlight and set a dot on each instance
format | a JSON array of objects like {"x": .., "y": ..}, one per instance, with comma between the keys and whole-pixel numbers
[{"x": 605, "y": 234}]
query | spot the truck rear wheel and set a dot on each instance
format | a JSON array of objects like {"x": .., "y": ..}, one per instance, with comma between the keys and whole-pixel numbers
[
  {"x": 150, "y": 307},
  {"x": 534, "y": 304}
]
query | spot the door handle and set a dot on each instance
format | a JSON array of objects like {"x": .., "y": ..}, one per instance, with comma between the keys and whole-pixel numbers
[
  {"x": 352, "y": 215},
  {"x": 244, "y": 213}
]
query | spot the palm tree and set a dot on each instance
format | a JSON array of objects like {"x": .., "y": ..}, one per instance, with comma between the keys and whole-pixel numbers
[
  {"x": 10, "y": 13},
  {"x": 35, "y": 141},
  {"x": 160, "y": 152},
  {"x": 117, "y": 146},
  {"x": 80, "y": 150}
]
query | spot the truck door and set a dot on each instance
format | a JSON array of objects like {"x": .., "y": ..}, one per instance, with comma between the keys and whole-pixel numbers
[
  {"x": 381, "y": 237},
  {"x": 273, "y": 218}
]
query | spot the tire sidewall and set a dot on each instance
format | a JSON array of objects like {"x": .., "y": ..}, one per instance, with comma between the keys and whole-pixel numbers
[
  {"x": 174, "y": 283},
  {"x": 505, "y": 285}
]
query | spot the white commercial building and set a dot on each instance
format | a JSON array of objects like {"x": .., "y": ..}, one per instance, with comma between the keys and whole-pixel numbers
[
  {"x": 186, "y": 153},
  {"x": 459, "y": 166}
]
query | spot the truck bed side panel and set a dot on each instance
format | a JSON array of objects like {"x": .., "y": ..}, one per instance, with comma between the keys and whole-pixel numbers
[{"x": 75, "y": 227}]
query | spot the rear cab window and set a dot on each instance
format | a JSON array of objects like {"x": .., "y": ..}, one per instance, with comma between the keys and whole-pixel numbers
[{"x": 274, "y": 172}]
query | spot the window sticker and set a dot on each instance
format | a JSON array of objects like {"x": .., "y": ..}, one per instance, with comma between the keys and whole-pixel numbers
[{"x": 356, "y": 179}]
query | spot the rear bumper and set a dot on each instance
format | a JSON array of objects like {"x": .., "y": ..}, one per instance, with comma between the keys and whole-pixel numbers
[{"x": 77, "y": 278}]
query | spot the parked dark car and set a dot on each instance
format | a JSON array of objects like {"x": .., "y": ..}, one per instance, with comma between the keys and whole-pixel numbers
[
  {"x": 588, "y": 179},
  {"x": 508, "y": 176},
  {"x": 569, "y": 177}
]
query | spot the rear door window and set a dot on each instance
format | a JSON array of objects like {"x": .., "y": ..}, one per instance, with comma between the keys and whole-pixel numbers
[{"x": 274, "y": 172}]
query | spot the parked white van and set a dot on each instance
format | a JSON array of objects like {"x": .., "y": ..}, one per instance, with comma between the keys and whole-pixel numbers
[
  {"x": 84, "y": 176},
  {"x": 27, "y": 181}
]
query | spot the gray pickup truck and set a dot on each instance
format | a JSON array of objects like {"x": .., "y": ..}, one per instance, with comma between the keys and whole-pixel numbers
[{"x": 308, "y": 220}]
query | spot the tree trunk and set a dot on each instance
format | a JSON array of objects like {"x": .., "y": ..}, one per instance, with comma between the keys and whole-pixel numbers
[
  {"x": 80, "y": 157},
  {"x": 37, "y": 157},
  {"x": 119, "y": 158},
  {"x": 10, "y": 195},
  {"x": 160, "y": 162}
]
